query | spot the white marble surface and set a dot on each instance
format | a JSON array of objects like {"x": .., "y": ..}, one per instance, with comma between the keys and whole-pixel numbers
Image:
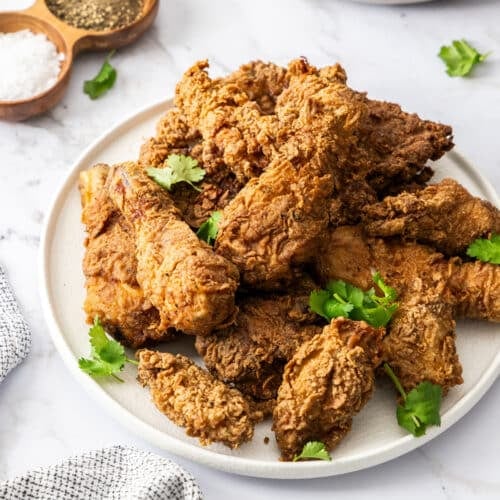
[{"x": 390, "y": 51}]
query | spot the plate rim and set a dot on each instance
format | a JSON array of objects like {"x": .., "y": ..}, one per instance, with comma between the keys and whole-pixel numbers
[{"x": 228, "y": 463}]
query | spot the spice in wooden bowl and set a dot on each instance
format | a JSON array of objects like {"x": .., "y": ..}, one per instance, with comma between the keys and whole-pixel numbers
[{"x": 98, "y": 15}]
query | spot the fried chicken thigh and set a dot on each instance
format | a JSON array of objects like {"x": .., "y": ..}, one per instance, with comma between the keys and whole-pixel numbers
[
  {"x": 252, "y": 353},
  {"x": 327, "y": 381},
  {"x": 194, "y": 399},
  {"x": 444, "y": 215},
  {"x": 110, "y": 267},
  {"x": 192, "y": 288}
]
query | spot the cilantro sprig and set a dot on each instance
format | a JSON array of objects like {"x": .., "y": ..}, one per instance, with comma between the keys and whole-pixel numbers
[
  {"x": 420, "y": 406},
  {"x": 177, "y": 168},
  {"x": 486, "y": 250},
  {"x": 460, "y": 58},
  {"x": 107, "y": 355},
  {"x": 343, "y": 299},
  {"x": 103, "y": 81},
  {"x": 209, "y": 229},
  {"x": 313, "y": 450}
]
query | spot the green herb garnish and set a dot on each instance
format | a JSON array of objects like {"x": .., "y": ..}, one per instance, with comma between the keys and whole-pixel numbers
[
  {"x": 460, "y": 58},
  {"x": 209, "y": 229},
  {"x": 103, "y": 81},
  {"x": 343, "y": 299},
  {"x": 486, "y": 250},
  {"x": 108, "y": 356},
  {"x": 420, "y": 406},
  {"x": 177, "y": 168},
  {"x": 313, "y": 450}
]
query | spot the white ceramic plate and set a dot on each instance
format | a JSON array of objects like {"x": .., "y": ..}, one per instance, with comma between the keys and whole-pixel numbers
[{"x": 375, "y": 436}]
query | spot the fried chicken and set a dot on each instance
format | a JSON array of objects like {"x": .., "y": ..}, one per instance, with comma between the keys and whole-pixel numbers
[
  {"x": 262, "y": 82},
  {"x": 252, "y": 353},
  {"x": 110, "y": 268},
  {"x": 444, "y": 215},
  {"x": 272, "y": 225},
  {"x": 235, "y": 132},
  {"x": 420, "y": 344},
  {"x": 194, "y": 399},
  {"x": 192, "y": 287},
  {"x": 327, "y": 381}
]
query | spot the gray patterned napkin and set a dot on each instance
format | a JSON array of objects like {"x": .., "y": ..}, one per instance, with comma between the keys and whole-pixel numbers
[
  {"x": 15, "y": 334},
  {"x": 121, "y": 473}
]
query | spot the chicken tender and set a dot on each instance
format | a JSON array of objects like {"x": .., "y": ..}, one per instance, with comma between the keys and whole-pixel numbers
[
  {"x": 194, "y": 399},
  {"x": 110, "y": 268},
  {"x": 327, "y": 381},
  {"x": 444, "y": 215},
  {"x": 192, "y": 288},
  {"x": 252, "y": 353}
]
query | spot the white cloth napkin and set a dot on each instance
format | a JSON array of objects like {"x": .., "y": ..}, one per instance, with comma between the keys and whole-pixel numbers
[
  {"x": 15, "y": 334},
  {"x": 121, "y": 473}
]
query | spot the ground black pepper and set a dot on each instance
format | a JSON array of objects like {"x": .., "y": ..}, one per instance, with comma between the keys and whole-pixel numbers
[{"x": 99, "y": 15}]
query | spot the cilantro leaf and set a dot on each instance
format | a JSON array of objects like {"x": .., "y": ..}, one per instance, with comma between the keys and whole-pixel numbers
[
  {"x": 313, "y": 450},
  {"x": 108, "y": 356},
  {"x": 486, "y": 250},
  {"x": 177, "y": 168},
  {"x": 460, "y": 57},
  {"x": 420, "y": 406},
  {"x": 343, "y": 299},
  {"x": 209, "y": 229},
  {"x": 102, "y": 82}
]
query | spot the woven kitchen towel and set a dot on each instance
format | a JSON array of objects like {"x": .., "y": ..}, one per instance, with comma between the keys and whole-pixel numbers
[
  {"x": 15, "y": 334},
  {"x": 120, "y": 472}
]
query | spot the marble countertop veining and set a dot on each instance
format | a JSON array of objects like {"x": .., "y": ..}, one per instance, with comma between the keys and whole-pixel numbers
[{"x": 390, "y": 51}]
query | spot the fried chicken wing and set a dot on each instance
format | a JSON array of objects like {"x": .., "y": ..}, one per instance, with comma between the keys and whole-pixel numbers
[
  {"x": 444, "y": 215},
  {"x": 251, "y": 354},
  {"x": 110, "y": 268},
  {"x": 327, "y": 381},
  {"x": 194, "y": 399},
  {"x": 192, "y": 288}
]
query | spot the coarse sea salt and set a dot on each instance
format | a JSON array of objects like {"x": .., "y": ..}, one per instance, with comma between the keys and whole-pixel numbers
[{"x": 29, "y": 64}]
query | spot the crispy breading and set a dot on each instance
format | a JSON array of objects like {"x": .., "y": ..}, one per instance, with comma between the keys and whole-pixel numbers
[
  {"x": 273, "y": 224},
  {"x": 251, "y": 353},
  {"x": 327, "y": 381},
  {"x": 110, "y": 268},
  {"x": 197, "y": 401},
  {"x": 420, "y": 344},
  {"x": 444, "y": 215},
  {"x": 192, "y": 287}
]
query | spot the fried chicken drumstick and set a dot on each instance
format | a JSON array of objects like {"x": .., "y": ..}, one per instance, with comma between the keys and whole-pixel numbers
[
  {"x": 192, "y": 287},
  {"x": 110, "y": 267},
  {"x": 327, "y": 381}
]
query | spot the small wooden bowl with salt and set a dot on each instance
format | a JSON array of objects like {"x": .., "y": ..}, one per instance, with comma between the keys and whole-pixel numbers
[{"x": 69, "y": 41}]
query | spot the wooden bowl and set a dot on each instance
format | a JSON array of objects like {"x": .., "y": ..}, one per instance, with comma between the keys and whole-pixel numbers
[{"x": 69, "y": 41}]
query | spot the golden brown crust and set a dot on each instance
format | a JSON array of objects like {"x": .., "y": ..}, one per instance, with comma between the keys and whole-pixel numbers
[
  {"x": 110, "y": 268},
  {"x": 192, "y": 287},
  {"x": 327, "y": 381},
  {"x": 444, "y": 215},
  {"x": 251, "y": 354},
  {"x": 197, "y": 401}
]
